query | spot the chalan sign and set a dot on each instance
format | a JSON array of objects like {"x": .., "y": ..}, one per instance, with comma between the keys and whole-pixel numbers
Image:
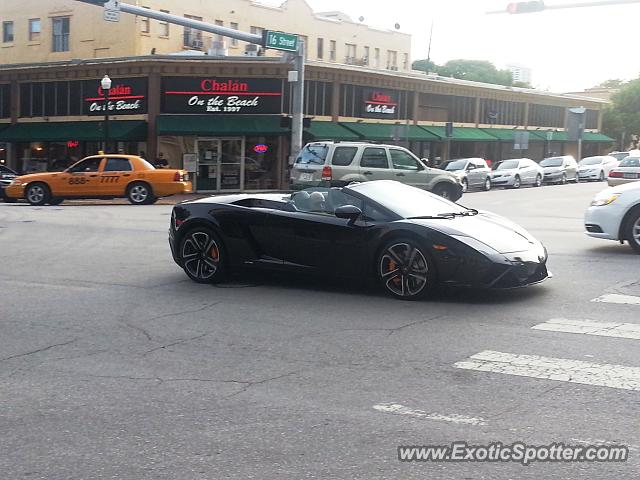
[
  {"x": 127, "y": 96},
  {"x": 379, "y": 103},
  {"x": 216, "y": 95}
]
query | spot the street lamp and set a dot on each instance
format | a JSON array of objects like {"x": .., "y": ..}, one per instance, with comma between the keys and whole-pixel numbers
[{"x": 106, "y": 86}]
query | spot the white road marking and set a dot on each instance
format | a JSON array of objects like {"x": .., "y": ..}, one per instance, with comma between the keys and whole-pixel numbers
[
  {"x": 588, "y": 327},
  {"x": 561, "y": 369},
  {"x": 617, "y": 298},
  {"x": 591, "y": 441},
  {"x": 397, "y": 409}
]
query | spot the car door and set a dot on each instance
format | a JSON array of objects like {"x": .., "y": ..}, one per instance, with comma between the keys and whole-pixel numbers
[
  {"x": 476, "y": 175},
  {"x": 408, "y": 169},
  {"x": 531, "y": 171},
  {"x": 482, "y": 172},
  {"x": 115, "y": 173},
  {"x": 81, "y": 179},
  {"x": 374, "y": 164}
]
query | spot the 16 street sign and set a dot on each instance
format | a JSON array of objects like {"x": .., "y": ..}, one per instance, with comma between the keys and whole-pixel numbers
[{"x": 281, "y": 41}]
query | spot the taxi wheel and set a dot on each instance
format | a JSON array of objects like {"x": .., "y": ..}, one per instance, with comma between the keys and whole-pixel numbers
[
  {"x": 140, "y": 193},
  {"x": 37, "y": 194},
  {"x": 56, "y": 201},
  {"x": 202, "y": 255}
]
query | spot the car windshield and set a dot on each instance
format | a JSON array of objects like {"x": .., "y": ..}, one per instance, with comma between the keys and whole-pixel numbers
[
  {"x": 630, "y": 162},
  {"x": 591, "y": 161},
  {"x": 407, "y": 201},
  {"x": 508, "y": 165},
  {"x": 551, "y": 162},
  {"x": 313, "y": 154},
  {"x": 456, "y": 165},
  {"x": 619, "y": 155}
]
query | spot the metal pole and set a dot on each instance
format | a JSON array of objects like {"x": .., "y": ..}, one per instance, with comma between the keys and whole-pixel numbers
[
  {"x": 187, "y": 22},
  {"x": 297, "y": 120},
  {"x": 429, "y": 50},
  {"x": 106, "y": 121}
]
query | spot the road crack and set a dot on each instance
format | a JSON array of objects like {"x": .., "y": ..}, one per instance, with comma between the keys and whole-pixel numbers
[{"x": 39, "y": 350}]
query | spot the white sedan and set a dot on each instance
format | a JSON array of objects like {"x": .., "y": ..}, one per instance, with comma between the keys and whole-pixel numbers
[
  {"x": 596, "y": 168},
  {"x": 615, "y": 215}
]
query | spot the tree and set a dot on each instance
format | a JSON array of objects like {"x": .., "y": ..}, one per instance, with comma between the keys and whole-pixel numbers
[
  {"x": 473, "y": 70},
  {"x": 613, "y": 83},
  {"x": 478, "y": 71},
  {"x": 623, "y": 115}
]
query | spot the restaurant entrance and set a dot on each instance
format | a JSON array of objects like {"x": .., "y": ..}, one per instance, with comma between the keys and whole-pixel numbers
[{"x": 220, "y": 164}]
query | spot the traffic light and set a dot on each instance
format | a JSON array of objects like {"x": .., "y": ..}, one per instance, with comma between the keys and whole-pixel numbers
[{"x": 526, "y": 7}]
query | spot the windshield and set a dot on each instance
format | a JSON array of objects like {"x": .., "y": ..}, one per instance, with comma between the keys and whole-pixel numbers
[
  {"x": 551, "y": 162},
  {"x": 407, "y": 201},
  {"x": 508, "y": 165},
  {"x": 456, "y": 165},
  {"x": 630, "y": 162},
  {"x": 313, "y": 154},
  {"x": 619, "y": 155},
  {"x": 591, "y": 161}
]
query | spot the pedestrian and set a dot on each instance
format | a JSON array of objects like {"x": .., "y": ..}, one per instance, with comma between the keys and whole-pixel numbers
[{"x": 161, "y": 162}]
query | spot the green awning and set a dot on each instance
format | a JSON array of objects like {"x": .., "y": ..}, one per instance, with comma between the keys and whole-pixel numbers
[
  {"x": 555, "y": 136},
  {"x": 330, "y": 131},
  {"x": 507, "y": 134},
  {"x": 597, "y": 137},
  {"x": 386, "y": 132},
  {"x": 220, "y": 125},
  {"x": 462, "y": 134},
  {"x": 123, "y": 130}
]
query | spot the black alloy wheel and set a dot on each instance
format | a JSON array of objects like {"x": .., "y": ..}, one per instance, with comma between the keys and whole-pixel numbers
[
  {"x": 405, "y": 270},
  {"x": 201, "y": 256},
  {"x": 444, "y": 191}
]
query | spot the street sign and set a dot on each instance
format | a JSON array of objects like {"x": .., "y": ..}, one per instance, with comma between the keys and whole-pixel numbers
[
  {"x": 281, "y": 41},
  {"x": 112, "y": 11}
]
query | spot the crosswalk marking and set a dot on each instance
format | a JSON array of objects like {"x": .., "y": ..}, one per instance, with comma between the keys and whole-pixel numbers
[
  {"x": 549, "y": 368},
  {"x": 588, "y": 327},
  {"x": 397, "y": 409},
  {"x": 617, "y": 298}
]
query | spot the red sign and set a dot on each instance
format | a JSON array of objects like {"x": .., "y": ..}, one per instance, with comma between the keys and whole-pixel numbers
[
  {"x": 261, "y": 148},
  {"x": 379, "y": 103},
  {"x": 73, "y": 144}
]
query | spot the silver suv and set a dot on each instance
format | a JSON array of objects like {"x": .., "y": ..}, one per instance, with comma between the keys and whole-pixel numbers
[{"x": 340, "y": 163}]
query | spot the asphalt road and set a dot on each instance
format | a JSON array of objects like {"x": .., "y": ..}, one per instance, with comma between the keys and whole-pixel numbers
[{"x": 113, "y": 365}]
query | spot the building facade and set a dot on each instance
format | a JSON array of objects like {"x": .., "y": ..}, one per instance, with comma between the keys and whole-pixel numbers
[
  {"x": 520, "y": 74},
  {"x": 37, "y": 31},
  {"x": 225, "y": 120}
]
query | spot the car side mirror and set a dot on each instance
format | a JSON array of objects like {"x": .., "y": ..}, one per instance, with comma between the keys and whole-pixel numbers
[{"x": 350, "y": 212}]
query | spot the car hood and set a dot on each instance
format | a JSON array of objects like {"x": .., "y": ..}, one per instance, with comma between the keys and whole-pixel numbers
[
  {"x": 510, "y": 171},
  {"x": 632, "y": 188},
  {"x": 36, "y": 176},
  {"x": 492, "y": 230}
]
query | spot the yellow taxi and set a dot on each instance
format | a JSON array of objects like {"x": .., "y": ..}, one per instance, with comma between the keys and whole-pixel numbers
[{"x": 101, "y": 176}]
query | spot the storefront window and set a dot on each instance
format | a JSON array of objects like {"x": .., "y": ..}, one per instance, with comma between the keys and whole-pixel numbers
[{"x": 261, "y": 163}]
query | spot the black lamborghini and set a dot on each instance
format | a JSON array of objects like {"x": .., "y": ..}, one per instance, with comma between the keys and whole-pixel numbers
[{"x": 407, "y": 239}]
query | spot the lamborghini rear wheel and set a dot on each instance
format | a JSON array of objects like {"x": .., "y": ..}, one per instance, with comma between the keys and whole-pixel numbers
[
  {"x": 202, "y": 256},
  {"x": 405, "y": 270}
]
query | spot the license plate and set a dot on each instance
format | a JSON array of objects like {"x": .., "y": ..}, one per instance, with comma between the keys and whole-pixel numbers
[
  {"x": 630, "y": 175},
  {"x": 306, "y": 177}
]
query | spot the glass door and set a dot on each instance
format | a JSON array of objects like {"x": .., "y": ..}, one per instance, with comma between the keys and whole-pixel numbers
[
  {"x": 208, "y": 151},
  {"x": 231, "y": 163}
]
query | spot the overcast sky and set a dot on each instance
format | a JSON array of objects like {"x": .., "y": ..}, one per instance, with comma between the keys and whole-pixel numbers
[{"x": 566, "y": 49}]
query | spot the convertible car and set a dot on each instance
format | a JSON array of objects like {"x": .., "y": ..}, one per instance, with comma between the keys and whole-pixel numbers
[{"x": 405, "y": 238}]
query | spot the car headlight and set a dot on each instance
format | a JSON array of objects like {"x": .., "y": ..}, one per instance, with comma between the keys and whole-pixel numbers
[{"x": 602, "y": 201}]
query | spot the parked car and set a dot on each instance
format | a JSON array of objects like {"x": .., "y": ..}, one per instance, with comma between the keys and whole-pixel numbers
[
  {"x": 404, "y": 238},
  {"x": 337, "y": 164},
  {"x": 101, "y": 176},
  {"x": 517, "y": 172},
  {"x": 560, "y": 169},
  {"x": 596, "y": 168},
  {"x": 472, "y": 172},
  {"x": 627, "y": 171},
  {"x": 622, "y": 155},
  {"x": 615, "y": 215},
  {"x": 6, "y": 177}
]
